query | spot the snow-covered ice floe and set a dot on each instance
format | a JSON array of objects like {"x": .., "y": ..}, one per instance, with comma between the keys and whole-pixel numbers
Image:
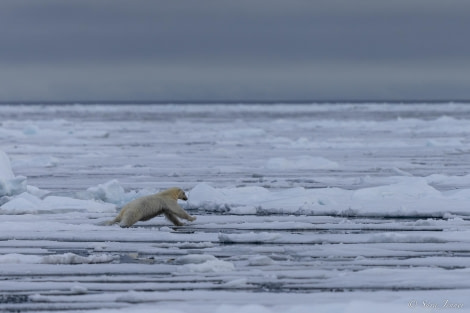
[
  {"x": 28, "y": 203},
  {"x": 18, "y": 198},
  {"x": 408, "y": 196},
  {"x": 300, "y": 208},
  {"x": 66, "y": 258}
]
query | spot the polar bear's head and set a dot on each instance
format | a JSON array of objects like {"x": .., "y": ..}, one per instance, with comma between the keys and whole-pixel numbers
[
  {"x": 175, "y": 193},
  {"x": 182, "y": 195}
]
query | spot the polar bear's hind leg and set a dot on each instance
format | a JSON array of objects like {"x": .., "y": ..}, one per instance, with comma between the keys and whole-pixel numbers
[{"x": 129, "y": 218}]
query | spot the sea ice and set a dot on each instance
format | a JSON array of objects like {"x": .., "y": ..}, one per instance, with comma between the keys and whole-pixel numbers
[
  {"x": 66, "y": 258},
  {"x": 37, "y": 161},
  {"x": 210, "y": 266},
  {"x": 9, "y": 183},
  {"x": 113, "y": 192},
  {"x": 110, "y": 191},
  {"x": 407, "y": 196},
  {"x": 260, "y": 260},
  {"x": 72, "y": 258},
  {"x": 252, "y": 237},
  {"x": 242, "y": 133},
  {"x": 303, "y": 162},
  {"x": 194, "y": 259},
  {"x": 202, "y": 263},
  {"x": 28, "y": 203},
  {"x": 292, "y": 206}
]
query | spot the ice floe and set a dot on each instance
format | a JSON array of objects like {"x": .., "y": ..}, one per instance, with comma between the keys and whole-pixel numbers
[
  {"x": 18, "y": 198},
  {"x": 409, "y": 196},
  {"x": 203, "y": 263},
  {"x": 66, "y": 258},
  {"x": 211, "y": 266},
  {"x": 252, "y": 237},
  {"x": 113, "y": 192},
  {"x": 9, "y": 183},
  {"x": 28, "y": 203}
]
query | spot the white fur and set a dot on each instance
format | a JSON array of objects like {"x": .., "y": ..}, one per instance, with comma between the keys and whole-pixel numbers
[{"x": 145, "y": 208}]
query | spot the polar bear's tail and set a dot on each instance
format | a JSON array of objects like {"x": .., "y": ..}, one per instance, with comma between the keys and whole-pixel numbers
[{"x": 112, "y": 222}]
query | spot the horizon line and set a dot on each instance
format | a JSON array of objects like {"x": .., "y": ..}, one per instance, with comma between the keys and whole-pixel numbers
[{"x": 246, "y": 101}]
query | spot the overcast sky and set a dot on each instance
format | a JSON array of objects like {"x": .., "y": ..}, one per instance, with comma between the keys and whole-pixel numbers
[{"x": 234, "y": 50}]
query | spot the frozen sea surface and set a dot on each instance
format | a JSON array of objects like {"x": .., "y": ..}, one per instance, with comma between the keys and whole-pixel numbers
[{"x": 300, "y": 208}]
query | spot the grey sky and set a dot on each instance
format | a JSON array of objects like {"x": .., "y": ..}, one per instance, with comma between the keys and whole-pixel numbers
[{"x": 234, "y": 50}]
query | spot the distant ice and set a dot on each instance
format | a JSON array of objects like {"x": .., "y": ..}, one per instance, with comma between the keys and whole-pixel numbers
[
  {"x": 260, "y": 261},
  {"x": 303, "y": 162},
  {"x": 242, "y": 133},
  {"x": 403, "y": 196},
  {"x": 37, "y": 161}
]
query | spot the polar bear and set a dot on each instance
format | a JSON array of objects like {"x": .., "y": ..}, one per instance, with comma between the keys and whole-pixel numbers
[{"x": 145, "y": 208}]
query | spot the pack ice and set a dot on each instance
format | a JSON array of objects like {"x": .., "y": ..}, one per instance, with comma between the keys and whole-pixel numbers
[
  {"x": 19, "y": 198},
  {"x": 300, "y": 208}
]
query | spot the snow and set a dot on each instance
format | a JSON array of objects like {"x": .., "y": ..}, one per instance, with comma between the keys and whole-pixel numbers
[{"x": 332, "y": 208}]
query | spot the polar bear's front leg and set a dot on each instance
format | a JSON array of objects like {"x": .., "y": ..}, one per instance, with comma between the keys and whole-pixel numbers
[
  {"x": 172, "y": 218},
  {"x": 175, "y": 209}
]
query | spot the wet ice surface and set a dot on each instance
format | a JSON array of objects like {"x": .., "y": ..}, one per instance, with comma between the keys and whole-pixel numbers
[{"x": 329, "y": 207}]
